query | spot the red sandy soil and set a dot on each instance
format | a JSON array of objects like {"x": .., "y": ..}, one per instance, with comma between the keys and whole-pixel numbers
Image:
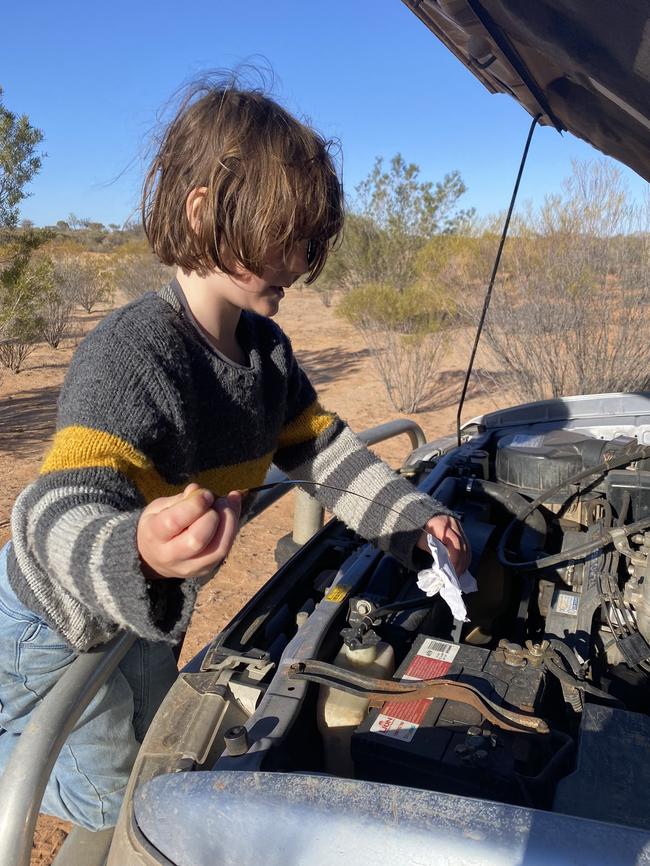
[{"x": 338, "y": 363}]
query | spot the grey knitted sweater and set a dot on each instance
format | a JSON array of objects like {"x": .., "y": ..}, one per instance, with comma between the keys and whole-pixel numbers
[{"x": 149, "y": 406}]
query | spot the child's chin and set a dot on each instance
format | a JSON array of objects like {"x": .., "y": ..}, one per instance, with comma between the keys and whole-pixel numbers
[{"x": 268, "y": 307}]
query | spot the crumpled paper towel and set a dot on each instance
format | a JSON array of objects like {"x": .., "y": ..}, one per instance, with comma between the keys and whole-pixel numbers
[{"x": 441, "y": 577}]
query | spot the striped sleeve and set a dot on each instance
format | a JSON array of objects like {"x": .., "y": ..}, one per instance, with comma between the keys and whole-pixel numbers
[
  {"x": 74, "y": 528},
  {"x": 369, "y": 497}
]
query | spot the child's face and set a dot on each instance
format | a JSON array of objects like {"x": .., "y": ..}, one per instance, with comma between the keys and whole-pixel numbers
[{"x": 263, "y": 294}]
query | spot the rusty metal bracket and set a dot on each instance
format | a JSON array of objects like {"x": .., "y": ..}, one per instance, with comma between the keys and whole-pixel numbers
[{"x": 378, "y": 691}]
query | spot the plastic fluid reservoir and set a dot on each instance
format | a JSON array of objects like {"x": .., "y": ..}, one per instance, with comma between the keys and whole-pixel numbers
[{"x": 340, "y": 713}]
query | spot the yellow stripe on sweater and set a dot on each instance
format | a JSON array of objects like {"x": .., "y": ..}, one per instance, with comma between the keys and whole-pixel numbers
[
  {"x": 79, "y": 447},
  {"x": 313, "y": 421}
]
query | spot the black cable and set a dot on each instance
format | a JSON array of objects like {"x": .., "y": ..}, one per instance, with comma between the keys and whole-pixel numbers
[
  {"x": 600, "y": 469},
  {"x": 576, "y": 552},
  {"x": 397, "y": 606},
  {"x": 568, "y": 656},
  {"x": 582, "y": 686},
  {"x": 497, "y": 261}
]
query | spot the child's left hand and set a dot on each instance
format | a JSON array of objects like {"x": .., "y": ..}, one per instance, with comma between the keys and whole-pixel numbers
[{"x": 448, "y": 530}]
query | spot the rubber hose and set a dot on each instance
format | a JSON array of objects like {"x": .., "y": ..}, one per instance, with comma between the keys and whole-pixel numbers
[
  {"x": 568, "y": 656},
  {"x": 576, "y": 552},
  {"x": 530, "y": 507},
  {"x": 514, "y": 503}
]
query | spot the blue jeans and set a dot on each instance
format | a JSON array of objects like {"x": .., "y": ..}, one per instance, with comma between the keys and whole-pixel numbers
[{"x": 89, "y": 778}]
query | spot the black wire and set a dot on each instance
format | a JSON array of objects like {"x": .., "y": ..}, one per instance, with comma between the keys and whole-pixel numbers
[
  {"x": 497, "y": 261},
  {"x": 564, "y": 676},
  {"x": 577, "y": 553},
  {"x": 398, "y": 606}
]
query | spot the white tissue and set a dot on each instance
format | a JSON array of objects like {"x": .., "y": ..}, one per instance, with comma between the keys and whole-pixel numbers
[{"x": 441, "y": 577}]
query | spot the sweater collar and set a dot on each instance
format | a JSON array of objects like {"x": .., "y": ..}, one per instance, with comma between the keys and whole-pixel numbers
[{"x": 173, "y": 294}]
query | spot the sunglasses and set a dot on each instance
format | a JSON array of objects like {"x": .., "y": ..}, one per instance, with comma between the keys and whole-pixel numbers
[{"x": 312, "y": 252}]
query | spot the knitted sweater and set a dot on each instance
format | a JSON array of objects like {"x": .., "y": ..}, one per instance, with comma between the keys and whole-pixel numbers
[{"x": 149, "y": 406}]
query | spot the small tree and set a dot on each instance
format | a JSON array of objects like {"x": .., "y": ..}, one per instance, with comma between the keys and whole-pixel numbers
[
  {"x": 405, "y": 333},
  {"x": 21, "y": 320},
  {"x": 392, "y": 217},
  {"x": 85, "y": 281},
  {"x": 19, "y": 162},
  {"x": 569, "y": 313},
  {"x": 139, "y": 271},
  {"x": 404, "y": 320},
  {"x": 56, "y": 304}
]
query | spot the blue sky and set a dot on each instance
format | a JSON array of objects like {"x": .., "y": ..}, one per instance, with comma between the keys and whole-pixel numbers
[{"x": 93, "y": 77}]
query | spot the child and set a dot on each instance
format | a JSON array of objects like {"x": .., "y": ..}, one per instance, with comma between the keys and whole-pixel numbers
[{"x": 170, "y": 406}]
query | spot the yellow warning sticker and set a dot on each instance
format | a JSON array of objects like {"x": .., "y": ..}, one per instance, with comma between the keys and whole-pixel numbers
[{"x": 337, "y": 593}]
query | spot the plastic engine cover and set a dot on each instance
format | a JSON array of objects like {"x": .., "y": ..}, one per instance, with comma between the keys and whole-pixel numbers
[{"x": 541, "y": 461}]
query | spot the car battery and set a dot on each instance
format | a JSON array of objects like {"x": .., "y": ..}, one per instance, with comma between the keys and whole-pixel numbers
[{"x": 446, "y": 745}]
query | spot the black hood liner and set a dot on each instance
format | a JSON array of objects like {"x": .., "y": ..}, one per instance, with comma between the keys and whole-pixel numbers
[{"x": 583, "y": 65}]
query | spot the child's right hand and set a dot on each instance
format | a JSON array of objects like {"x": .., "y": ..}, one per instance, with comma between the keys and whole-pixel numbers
[{"x": 187, "y": 535}]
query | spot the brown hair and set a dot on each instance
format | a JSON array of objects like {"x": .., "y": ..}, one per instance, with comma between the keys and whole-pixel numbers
[{"x": 270, "y": 179}]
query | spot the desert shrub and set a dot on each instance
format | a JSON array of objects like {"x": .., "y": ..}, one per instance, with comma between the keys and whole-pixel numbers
[
  {"x": 356, "y": 261},
  {"x": 84, "y": 280},
  {"x": 405, "y": 333},
  {"x": 55, "y": 307},
  {"x": 140, "y": 271},
  {"x": 392, "y": 216},
  {"x": 570, "y": 312},
  {"x": 22, "y": 288},
  {"x": 14, "y": 350},
  {"x": 376, "y": 269}
]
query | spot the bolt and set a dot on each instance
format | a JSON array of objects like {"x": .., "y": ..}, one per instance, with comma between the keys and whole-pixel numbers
[
  {"x": 236, "y": 740},
  {"x": 537, "y": 650},
  {"x": 474, "y": 731},
  {"x": 363, "y": 607}
]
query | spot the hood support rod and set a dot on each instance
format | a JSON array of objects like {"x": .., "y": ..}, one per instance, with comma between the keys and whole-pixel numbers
[{"x": 497, "y": 261}]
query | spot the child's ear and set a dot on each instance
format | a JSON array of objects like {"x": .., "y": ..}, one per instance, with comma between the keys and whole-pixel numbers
[{"x": 194, "y": 205}]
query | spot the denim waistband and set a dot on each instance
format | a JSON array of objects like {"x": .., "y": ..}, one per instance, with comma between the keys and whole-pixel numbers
[{"x": 9, "y": 601}]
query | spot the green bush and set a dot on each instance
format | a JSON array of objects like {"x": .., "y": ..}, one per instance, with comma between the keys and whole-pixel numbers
[{"x": 415, "y": 311}]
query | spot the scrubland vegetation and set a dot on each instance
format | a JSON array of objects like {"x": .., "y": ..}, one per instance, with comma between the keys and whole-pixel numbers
[
  {"x": 571, "y": 306},
  {"x": 570, "y": 310}
]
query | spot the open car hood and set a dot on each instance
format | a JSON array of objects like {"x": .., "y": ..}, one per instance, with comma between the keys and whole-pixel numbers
[{"x": 583, "y": 65}]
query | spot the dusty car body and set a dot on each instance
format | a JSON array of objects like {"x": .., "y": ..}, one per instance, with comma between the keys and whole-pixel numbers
[{"x": 240, "y": 765}]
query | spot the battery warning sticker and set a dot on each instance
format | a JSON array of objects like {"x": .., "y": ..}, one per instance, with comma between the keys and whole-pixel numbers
[{"x": 401, "y": 719}]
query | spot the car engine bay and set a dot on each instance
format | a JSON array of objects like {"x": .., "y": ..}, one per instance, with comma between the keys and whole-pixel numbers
[{"x": 342, "y": 666}]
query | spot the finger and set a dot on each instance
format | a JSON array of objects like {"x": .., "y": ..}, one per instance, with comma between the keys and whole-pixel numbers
[
  {"x": 235, "y": 499},
  {"x": 171, "y": 521},
  {"x": 452, "y": 539},
  {"x": 219, "y": 545},
  {"x": 163, "y": 502},
  {"x": 193, "y": 541}
]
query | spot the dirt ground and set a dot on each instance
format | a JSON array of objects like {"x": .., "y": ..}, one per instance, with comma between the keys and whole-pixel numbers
[{"x": 339, "y": 365}]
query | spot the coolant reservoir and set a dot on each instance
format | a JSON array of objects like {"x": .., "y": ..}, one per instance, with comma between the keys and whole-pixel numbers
[{"x": 340, "y": 713}]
